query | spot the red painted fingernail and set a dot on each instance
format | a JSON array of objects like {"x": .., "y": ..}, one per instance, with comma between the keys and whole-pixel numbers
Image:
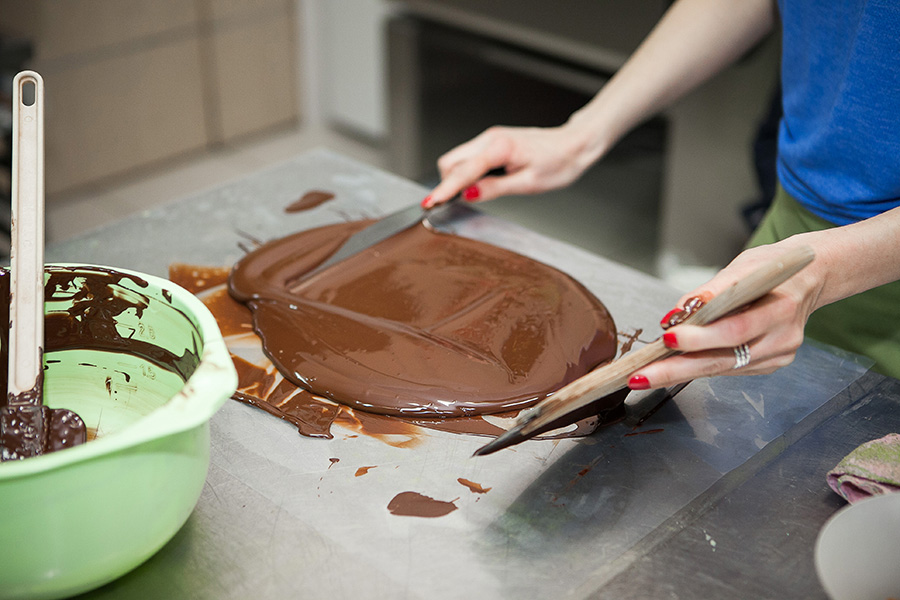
[
  {"x": 426, "y": 202},
  {"x": 664, "y": 321},
  {"x": 639, "y": 382},
  {"x": 472, "y": 193},
  {"x": 670, "y": 340}
]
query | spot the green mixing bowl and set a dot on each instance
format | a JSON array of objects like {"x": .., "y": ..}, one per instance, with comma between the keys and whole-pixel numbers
[{"x": 75, "y": 519}]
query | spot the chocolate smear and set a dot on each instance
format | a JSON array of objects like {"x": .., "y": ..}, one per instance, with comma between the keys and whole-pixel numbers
[
  {"x": 659, "y": 430},
  {"x": 691, "y": 306},
  {"x": 475, "y": 488},
  {"x": 413, "y": 504},
  {"x": 195, "y": 279},
  {"x": 309, "y": 200}
]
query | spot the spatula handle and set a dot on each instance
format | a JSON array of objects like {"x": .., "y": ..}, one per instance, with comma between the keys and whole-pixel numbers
[
  {"x": 755, "y": 285},
  {"x": 26, "y": 309}
]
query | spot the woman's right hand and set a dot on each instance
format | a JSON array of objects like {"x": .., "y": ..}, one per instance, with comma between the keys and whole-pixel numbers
[{"x": 534, "y": 159}]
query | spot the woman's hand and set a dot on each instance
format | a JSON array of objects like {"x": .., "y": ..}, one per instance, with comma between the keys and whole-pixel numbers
[
  {"x": 772, "y": 327},
  {"x": 694, "y": 40},
  {"x": 535, "y": 160}
]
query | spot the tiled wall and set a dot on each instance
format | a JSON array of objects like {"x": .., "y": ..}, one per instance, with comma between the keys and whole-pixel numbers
[{"x": 131, "y": 83}]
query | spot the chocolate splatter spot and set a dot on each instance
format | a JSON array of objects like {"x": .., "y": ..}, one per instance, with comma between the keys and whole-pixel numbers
[
  {"x": 308, "y": 201},
  {"x": 413, "y": 504},
  {"x": 475, "y": 488}
]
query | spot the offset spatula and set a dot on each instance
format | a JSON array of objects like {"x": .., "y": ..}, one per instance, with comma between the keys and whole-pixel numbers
[
  {"x": 554, "y": 411},
  {"x": 381, "y": 230},
  {"x": 27, "y": 427},
  {"x": 389, "y": 226}
]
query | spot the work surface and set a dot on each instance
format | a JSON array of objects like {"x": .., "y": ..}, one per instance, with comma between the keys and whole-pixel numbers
[{"x": 722, "y": 491}]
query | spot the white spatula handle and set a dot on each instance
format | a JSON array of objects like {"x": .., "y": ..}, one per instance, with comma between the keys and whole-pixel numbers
[{"x": 26, "y": 308}]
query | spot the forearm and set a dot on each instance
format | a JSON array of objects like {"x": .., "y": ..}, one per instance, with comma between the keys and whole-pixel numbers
[
  {"x": 855, "y": 258},
  {"x": 693, "y": 41}
]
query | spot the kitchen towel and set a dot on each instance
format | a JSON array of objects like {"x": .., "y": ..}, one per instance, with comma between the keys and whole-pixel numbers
[{"x": 871, "y": 469}]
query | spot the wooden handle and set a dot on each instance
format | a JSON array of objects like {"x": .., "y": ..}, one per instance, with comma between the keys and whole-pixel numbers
[
  {"x": 26, "y": 309},
  {"x": 754, "y": 286},
  {"x": 614, "y": 376}
]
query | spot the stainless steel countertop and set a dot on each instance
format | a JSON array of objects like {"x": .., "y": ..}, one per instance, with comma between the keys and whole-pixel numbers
[{"x": 574, "y": 518}]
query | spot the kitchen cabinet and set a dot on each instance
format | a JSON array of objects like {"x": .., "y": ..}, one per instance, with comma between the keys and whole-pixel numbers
[{"x": 137, "y": 83}]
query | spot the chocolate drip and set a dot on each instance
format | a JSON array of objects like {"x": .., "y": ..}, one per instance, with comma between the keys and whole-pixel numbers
[{"x": 691, "y": 306}]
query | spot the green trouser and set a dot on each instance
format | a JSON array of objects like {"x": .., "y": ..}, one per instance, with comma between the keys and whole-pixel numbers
[{"x": 867, "y": 323}]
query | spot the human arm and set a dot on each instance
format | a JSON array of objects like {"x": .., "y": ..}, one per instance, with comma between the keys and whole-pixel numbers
[
  {"x": 694, "y": 40},
  {"x": 849, "y": 260}
]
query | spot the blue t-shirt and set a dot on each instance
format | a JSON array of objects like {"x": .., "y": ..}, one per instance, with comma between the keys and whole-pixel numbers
[{"x": 839, "y": 138}]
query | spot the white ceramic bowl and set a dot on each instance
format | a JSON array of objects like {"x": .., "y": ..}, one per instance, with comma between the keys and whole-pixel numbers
[{"x": 858, "y": 550}]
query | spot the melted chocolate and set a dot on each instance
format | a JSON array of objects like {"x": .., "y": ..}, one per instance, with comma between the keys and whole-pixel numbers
[
  {"x": 475, "y": 488},
  {"x": 413, "y": 504},
  {"x": 312, "y": 416},
  {"x": 363, "y": 471},
  {"x": 678, "y": 317},
  {"x": 196, "y": 279},
  {"x": 33, "y": 429},
  {"x": 309, "y": 200},
  {"x": 27, "y": 427},
  {"x": 630, "y": 339},
  {"x": 423, "y": 324},
  {"x": 392, "y": 431},
  {"x": 91, "y": 320},
  {"x": 646, "y": 431},
  {"x": 30, "y": 428},
  {"x": 232, "y": 317}
]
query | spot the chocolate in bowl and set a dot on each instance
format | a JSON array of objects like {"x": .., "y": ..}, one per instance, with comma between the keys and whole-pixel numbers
[{"x": 142, "y": 361}]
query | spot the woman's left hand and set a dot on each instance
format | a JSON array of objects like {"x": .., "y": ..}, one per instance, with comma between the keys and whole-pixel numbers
[{"x": 772, "y": 327}]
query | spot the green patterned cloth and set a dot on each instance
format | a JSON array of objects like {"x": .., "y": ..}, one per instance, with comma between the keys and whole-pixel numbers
[
  {"x": 871, "y": 469},
  {"x": 867, "y": 323}
]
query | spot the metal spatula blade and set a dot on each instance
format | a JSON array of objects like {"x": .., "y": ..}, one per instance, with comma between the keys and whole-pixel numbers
[
  {"x": 27, "y": 427},
  {"x": 387, "y": 227}
]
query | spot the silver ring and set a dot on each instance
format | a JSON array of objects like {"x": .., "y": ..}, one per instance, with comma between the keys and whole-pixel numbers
[{"x": 741, "y": 356}]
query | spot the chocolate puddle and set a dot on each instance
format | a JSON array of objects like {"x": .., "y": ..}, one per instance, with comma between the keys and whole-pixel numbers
[
  {"x": 413, "y": 504},
  {"x": 424, "y": 324}
]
